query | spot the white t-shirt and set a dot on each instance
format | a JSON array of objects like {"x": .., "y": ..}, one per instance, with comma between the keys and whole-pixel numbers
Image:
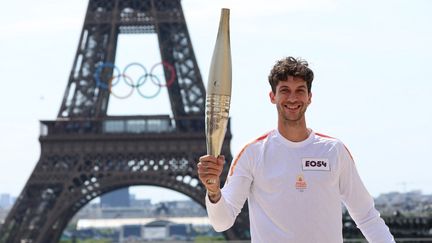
[{"x": 295, "y": 190}]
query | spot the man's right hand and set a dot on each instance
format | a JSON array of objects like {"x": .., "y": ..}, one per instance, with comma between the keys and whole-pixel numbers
[{"x": 209, "y": 171}]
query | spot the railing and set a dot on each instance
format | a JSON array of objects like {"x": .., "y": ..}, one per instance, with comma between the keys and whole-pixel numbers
[{"x": 123, "y": 125}]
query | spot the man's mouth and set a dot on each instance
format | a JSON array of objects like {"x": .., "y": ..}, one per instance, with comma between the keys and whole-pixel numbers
[{"x": 292, "y": 107}]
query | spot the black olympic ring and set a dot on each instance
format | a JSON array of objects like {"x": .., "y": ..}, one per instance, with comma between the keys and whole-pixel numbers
[{"x": 114, "y": 80}]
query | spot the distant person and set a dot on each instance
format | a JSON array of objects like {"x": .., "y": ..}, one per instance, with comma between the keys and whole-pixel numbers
[{"x": 293, "y": 177}]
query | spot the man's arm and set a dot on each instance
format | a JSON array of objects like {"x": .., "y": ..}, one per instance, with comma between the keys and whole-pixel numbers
[
  {"x": 223, "y": 205},
  {"x": 214, "y": 197},
  {"x": 209, "y": 171},
  {"x": 359, "y": 203}
]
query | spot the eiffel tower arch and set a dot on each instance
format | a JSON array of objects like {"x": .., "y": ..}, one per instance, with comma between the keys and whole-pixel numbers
[{"x": 86, "y": 153}]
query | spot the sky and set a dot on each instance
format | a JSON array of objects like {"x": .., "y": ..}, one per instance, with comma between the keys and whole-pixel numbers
[{"x": 371, "y": 90}]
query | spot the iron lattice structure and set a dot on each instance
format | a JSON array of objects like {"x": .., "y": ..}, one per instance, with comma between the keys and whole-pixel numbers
[{"x": 86, "y": 153}]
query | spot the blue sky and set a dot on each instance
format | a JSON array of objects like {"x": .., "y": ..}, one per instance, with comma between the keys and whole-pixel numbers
[{"x": 371, "y": 90}]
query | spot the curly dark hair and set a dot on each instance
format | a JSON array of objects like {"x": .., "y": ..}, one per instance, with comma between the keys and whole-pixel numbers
[{"x": 290, "y": 66}]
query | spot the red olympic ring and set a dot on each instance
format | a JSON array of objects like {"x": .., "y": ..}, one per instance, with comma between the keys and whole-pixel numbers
[{"x": 172, "y": 74}]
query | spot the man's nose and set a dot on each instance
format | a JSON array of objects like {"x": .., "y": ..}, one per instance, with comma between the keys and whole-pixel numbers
[{"x": 292, "y": 96}]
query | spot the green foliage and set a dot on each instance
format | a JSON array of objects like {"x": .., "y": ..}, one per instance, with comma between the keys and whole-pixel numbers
[
  {"x": 202, "y": 239},
  {"x": 87, "y": 241}
]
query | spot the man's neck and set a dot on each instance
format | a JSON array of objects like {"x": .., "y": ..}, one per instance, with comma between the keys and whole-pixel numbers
[{"x": 294, "y": 131}]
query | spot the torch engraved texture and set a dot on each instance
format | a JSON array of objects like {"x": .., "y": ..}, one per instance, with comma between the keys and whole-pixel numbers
[{"x": 219, "y": 88}]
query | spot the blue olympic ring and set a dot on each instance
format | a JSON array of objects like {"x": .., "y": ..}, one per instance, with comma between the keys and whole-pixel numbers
[{"x": 114, "y": 80}]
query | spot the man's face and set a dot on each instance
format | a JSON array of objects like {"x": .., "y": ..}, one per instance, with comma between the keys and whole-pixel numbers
[{"x": 292, "y": 99}]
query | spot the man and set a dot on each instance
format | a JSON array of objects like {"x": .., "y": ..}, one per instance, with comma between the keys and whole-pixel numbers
[{"x": 294, "y": 178}]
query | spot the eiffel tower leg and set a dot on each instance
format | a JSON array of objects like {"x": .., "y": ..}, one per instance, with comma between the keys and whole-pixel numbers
[
  {"x": 84, "y": 96},
  {"x": 188, "y": 91}
]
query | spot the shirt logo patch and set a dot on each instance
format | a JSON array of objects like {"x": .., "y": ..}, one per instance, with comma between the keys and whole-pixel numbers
[
  {"x": 300, "y": 184},
  {"x": 315, "y": 164}
]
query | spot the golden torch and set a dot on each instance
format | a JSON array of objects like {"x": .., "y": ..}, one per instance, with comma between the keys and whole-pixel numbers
[{"x": 219, "y": 89}]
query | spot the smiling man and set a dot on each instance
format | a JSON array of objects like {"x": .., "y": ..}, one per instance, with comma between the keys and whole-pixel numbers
[{"x": 294, "y": 178}]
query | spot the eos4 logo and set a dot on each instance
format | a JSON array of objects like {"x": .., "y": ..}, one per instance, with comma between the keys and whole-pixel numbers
[{"x": 318, "y": 164}]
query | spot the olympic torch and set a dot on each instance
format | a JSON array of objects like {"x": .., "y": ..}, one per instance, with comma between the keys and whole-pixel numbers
[{"x": 219, "y": 89}]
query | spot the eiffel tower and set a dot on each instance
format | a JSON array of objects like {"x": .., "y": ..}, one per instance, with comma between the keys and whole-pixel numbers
[{"x": 86, "y": 153}]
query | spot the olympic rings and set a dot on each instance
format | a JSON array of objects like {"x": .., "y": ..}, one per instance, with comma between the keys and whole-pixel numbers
[
  {"x": 118, "y": 96},
  {"x": 98, "y": 73},
  {"x": 172, "y": 73},
  {"x": 112, "y": 81},
  {"x": 141, "y": 83}
]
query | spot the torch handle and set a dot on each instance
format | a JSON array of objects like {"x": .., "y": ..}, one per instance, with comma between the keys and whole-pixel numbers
[{"x": 217, "y": 113}]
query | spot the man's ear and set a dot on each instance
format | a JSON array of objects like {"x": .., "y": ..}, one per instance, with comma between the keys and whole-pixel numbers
[
  {"x": 272, "y": 97},
  {"x": 310, "y": 98}
]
